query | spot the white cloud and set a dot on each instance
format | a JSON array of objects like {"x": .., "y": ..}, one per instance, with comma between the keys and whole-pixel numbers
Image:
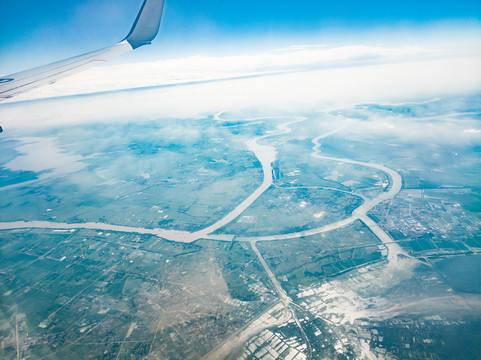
[
  {"x": 200, "y": 68},
  {"x": 42, "y": 155},
  {"x": 391, "y": 79}
]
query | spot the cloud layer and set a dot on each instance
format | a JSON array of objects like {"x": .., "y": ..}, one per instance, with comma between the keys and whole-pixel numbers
[{"x": 301, "y": 77}]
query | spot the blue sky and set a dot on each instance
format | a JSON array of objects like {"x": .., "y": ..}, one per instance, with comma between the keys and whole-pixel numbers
[{"x": 34, "y": 32}]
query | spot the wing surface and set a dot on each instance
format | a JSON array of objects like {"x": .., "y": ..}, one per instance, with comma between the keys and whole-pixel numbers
[{"x": 144, "y": 30}]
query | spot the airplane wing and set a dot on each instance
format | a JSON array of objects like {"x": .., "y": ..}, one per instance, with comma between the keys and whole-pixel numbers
[{"x": 144, "y": 30}]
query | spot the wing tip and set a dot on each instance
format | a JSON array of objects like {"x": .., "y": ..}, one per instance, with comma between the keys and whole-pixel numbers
[{"x": 147, "y": 23}]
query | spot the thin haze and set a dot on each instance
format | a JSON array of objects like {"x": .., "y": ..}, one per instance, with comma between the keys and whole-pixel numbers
[{"x": 36, "y": 32}]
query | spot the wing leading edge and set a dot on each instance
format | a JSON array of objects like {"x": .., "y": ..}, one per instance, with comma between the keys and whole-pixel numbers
[{"x": 144, "y": 30}]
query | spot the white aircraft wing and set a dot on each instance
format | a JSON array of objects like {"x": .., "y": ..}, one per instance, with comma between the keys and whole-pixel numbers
[{"x": 144, "y": 30}]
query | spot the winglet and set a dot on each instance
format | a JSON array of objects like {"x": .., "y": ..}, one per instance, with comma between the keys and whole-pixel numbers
[
  {"x": 144, "y": 30},
  {"x": 146, "y": 25}
]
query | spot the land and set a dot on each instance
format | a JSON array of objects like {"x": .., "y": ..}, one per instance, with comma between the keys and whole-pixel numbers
[{"x": 342, "y": 233}]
